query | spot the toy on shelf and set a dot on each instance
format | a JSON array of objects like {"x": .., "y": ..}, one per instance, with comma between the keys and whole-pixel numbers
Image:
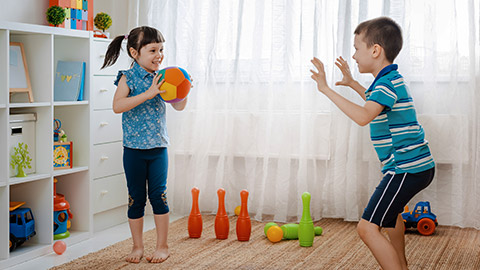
[
  {"x": 55, "y": 15},
  {"x": 22, "y": 225},
  {"x": 78, "y": 13},
  {"x": 102, "y": 21},
  {"x": 21, "y": 159},
  {"x": 62, "y": 155},
  {"x": 421, "y": 218},
  {"x": 62, "y": 149},
  {"x": 61, "y": 214},
  {"x": 57, "y": 124}
]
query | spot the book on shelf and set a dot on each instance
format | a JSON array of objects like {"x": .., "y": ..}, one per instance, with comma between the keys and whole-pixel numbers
[{"x": 69, "y": 81}]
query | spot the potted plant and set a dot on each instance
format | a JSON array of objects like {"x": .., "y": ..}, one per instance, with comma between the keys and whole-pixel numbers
[
  {"x": 102, "y": 21},
  {"x": 21, "y": 159},
  {"x": 56, "y": 15}
]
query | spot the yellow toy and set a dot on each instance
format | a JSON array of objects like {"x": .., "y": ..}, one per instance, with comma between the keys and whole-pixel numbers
[
  {"x": 275, "y": 234},
  {"x": 237, "y": 210}
]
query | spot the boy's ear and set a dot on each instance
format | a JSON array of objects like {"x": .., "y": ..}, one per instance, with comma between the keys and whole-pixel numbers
[
  {"x": 133, "y": 52},
  {"x": 376, "y": 50}
]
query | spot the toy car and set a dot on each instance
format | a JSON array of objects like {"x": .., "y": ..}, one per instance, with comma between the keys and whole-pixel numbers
[
  {"x": 22, "y": 227},
  {"x": 421, "y": 218}
]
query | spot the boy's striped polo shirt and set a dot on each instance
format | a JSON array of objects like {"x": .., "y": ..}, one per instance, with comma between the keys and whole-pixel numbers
[{"x": 398, "y": 138}]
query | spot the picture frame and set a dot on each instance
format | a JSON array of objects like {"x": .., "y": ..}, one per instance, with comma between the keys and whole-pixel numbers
[
  {"x": 19, "y": 76},
  {"x": 62, "y": 155}
]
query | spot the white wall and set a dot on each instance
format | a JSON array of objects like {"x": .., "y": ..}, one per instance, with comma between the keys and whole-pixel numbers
[{"x": 33, "y": 12}]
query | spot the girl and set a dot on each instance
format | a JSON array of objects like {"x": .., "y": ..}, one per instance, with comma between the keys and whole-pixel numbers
[{"x": 145, "y": 138}]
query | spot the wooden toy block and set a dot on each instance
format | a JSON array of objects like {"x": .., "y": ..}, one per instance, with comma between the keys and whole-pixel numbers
[
  {"x": 68, "y": 23},
  {"x": 78, "y": 12},
  {"x": 78, "y": 16},
  {"x": 90, "y": 16},
  {"x": 60, "y": 3},
  {"x": 67, "y": 12}
]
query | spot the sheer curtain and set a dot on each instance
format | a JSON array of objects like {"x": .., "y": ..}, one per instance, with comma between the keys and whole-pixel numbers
[{"x": 255, "y": 120}]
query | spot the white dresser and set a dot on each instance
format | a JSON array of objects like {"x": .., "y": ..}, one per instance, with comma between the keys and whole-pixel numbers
[{"x": 109, "y": 189}]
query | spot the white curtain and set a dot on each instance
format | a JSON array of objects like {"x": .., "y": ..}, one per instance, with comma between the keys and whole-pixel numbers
[{"x": 255, "y": 120}]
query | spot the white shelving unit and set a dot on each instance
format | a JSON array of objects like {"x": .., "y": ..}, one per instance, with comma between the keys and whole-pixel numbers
[{"x": 44, "y": 46}]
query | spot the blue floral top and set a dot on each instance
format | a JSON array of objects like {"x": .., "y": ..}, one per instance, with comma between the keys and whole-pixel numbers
[{"x": 145, "y": 126}]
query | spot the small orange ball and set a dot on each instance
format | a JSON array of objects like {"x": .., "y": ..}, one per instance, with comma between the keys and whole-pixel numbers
[
  {"x": 237, "y": 210},
  {"x": 59, "y": 247},
  {"x": 275, "y": 234}
]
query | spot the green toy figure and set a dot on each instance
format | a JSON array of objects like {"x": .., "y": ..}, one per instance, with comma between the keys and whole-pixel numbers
[{"x": 21, "y": 159}]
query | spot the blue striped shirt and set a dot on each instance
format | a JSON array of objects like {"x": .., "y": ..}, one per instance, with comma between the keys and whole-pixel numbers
[
  {"x": 144, "y": 127},
  {"x": 398, "y": 138}
]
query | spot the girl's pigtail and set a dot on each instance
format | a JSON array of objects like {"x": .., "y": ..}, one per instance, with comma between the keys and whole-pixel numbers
[{"x": 113, "y": 51}]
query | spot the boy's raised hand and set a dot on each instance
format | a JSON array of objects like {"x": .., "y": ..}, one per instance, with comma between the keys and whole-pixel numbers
[
  {"x": 319, "y": 76},
  {"x": 345, "y": 69}
]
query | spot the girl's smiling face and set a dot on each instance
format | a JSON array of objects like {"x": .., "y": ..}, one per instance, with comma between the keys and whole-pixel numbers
[{"x": 150, "y": 57}]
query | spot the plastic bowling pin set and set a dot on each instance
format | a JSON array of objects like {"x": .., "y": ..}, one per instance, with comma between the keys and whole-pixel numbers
[
  {"x": 222, "y": 224},
  {"x": 305, "y": 231}
]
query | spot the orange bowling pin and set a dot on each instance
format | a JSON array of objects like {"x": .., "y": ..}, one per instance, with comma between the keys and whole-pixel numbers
[
  {"x": 195, "y": 219},
  {"x": 222, "y": 225},
  {"x": 244, "y": 226}
]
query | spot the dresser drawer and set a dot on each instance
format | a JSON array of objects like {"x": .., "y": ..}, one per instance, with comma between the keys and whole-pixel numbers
[
  {"x": 106, "y": 126},
  {"x": 102, "y": 92},
  {"x": 107, "y": 159},
  {"x": 99, "y": 49},
  {"x": 109, "y": 192}
]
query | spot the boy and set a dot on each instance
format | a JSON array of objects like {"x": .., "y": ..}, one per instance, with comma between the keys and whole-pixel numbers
[{"x": 398, "y": 138}]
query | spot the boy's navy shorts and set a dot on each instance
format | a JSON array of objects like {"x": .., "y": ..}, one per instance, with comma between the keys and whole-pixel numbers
[{"x": 392, "y": 194}]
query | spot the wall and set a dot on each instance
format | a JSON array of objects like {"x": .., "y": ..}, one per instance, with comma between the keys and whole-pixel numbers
[{"x": 33, "y": 12}]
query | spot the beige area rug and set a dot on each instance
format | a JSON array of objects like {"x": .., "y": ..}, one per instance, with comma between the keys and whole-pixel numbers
[{"x": 338, "y": 248}]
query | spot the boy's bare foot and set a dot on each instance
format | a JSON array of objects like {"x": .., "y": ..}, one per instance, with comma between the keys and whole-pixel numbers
[
  {"x": 135, "y": 256},
  {"x": 160, "y": 255}
]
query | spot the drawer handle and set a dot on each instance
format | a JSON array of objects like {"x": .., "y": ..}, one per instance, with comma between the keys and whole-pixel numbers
[
  {"x": 102, "y": 124},
  {"x": 103, "y": 90},
  {"x": 103, "y": 192},
  {"x": 102, "y": 55},
  {"x": 104, "y": 158}
]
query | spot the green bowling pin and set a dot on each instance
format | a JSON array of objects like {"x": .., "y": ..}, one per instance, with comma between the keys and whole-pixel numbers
[
  {"x": 306, "y": 231},
  {"x": 290, "y": 231}
]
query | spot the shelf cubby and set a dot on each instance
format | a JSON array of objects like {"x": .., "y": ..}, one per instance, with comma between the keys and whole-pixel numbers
[{"x": 41, "y": 205}]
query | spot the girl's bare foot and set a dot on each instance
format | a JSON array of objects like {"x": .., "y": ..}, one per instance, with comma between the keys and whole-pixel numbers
[
  {"x": 135, "y": 256},
  {"x": 160, "y": 255}
]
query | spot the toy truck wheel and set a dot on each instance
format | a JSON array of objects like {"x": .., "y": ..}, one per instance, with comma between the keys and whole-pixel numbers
[
  {"x": 426, "y": 226},
  {"x": 12, "y": 243}
]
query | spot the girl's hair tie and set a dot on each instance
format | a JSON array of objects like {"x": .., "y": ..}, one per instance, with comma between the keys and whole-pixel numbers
[{"x": 126, "y": 36}]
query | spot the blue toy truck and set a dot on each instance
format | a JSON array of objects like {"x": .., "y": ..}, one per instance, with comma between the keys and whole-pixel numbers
[
  {"x": 22, "y": 227},
  {"x": 421, "y": 218}
]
